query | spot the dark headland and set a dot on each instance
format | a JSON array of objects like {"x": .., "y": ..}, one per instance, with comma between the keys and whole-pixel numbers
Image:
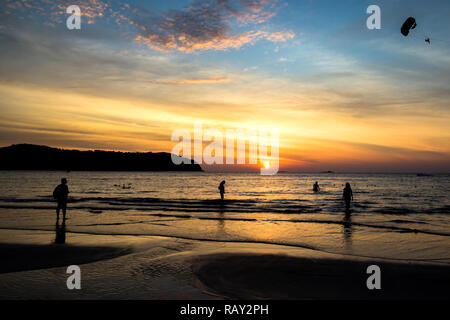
[{"x": 34, "y": 157}]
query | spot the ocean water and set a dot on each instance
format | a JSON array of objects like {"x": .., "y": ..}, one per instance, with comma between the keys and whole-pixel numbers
[{"x": 402, "y": 217}]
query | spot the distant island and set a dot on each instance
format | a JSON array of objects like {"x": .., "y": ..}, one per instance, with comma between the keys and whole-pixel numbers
[{"x": 35, "y": 157}]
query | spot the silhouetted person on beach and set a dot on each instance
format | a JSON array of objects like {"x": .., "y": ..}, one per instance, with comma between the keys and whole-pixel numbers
[
  {"x": 348, "y": 195},
  {"x": 222, "y": 189},
  {"x": 60, "y": 194},
  {"x": 316, "y": 187}
]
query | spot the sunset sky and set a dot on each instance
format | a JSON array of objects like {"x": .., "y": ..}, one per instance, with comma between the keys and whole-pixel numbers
[{"x": 343, "y": 97}]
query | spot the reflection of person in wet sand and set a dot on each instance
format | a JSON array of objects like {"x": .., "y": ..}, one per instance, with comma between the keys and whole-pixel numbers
[
  {"x": 221, "y": 222},
  {"x": 222, "y": 189},
  {"x": 347, "y": 227},
  {"x": 60, "y": 234},
  {"x": 348, "y": 195},
  {"x": 60, "y": 194}
]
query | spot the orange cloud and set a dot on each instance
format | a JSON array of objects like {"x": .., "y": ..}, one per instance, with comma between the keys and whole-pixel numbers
[
  {"x": 207, "y": 25},
  {"x": 218, "y": 43},
  {"x": 280, "y": 36},
  {"x": 203, "y": 25},
  {"x": 221, "y": 79}
]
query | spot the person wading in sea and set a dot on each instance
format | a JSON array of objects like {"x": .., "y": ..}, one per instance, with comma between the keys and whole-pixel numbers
[
  {"x": 60, "y": 194},
  {"x": 348, "y": 195},
  {"x": 316, "y": 187},
  {"x": 222, "y": 189}
]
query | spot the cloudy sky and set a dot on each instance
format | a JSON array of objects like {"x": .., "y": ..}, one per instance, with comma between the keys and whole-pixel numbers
[{"x": 343, "y": 97}]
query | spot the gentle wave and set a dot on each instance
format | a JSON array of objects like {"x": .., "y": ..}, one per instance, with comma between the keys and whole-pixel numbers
[
  {"x": 286, "y": 244},
  {"x": 281, "y": 206}
]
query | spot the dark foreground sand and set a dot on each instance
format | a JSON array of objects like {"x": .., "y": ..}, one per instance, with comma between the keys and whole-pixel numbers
[
  {"x": 251, "y": 276},
  {"x": 21, "y": 257},
  {"x": 116, "y": 267}
]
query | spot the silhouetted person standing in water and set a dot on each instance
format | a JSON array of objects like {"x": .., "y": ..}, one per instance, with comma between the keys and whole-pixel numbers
[
  {"x": 316, "y": 187},
  {"x": 348, "y": 195},
  {"x": 60, "y": 194},
  {"x": 222, "y": 189}
]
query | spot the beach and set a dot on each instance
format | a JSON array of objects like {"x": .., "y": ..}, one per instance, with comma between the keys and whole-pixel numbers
[
  {"x": 165, "y": 239},
  {"x": 166, "y": 268}
]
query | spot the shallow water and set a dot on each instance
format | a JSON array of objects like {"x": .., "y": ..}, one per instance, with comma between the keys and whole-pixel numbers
[{"x": 394, "y": 216}]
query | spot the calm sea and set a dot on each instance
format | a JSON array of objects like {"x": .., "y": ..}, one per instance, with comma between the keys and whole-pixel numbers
[{"x": 394, "y": 216}]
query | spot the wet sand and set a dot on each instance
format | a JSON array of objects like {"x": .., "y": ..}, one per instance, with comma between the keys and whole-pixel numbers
[
  {"x": 21, "y": 257},
  {"x": 268, "y": 276},
  {"x": 119, "y": 267}
]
